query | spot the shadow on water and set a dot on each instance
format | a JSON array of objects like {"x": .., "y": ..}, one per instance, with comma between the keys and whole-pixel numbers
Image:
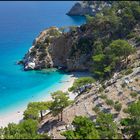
[
  {"x": 76, "y": 74},
  {"x": 50, "y": 71},
  {"x": 78, "y": 18}
]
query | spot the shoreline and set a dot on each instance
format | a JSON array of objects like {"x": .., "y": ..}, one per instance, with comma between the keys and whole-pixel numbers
[{"x": 15, "y": 116}]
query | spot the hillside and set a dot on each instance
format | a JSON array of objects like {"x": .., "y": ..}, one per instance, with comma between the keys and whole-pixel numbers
[
  {"x": 117, "y": 89},
  {"x": 55, "y": 51}
]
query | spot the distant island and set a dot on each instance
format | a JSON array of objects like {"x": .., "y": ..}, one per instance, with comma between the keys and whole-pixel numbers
[{"x": 106, "y": 103}]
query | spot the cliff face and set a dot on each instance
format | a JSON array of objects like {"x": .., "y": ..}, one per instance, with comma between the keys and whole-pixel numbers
[
  {"x": 71, "y": 51},
  {"x": 52, "y": 48},
  {"x": 88, "y": 8}
]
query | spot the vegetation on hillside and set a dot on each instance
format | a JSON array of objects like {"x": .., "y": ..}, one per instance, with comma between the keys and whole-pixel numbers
[
  {"x": 110, "y": 30},
  {"x": 105, "y": 127},
  {"x": 60, "y": 101},
  {"x": 105, "y": 38},
  {"x": 24, "y": 130},
  {"x": 111, "y": 60},
  {"x": 34, "y": 108},
  {"x": 84, "y": 128},
  {"x": 110, "y": 49},
  {"x": 28, "y": 128},
  {"x": 80, "y": 82},
  {"x": 132, "y": 123}
]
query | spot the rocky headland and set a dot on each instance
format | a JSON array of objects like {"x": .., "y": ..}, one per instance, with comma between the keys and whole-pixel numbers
[
  {"x": 70, "y": 51},
  {"x": 53, "y": 48},
  {"x": 83, "y": 8}
]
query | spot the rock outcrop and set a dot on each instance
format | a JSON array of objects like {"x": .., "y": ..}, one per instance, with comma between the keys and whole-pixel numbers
[
  {"x": 52, "y": 48},
  {"x": 72, "y": 50},
  {"x": 88, "y": 8}
]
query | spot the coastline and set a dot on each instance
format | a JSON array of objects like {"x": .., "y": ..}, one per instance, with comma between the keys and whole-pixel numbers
[
  {"x": 13, "y": 80},
  {"x": 15, "y": 116}
]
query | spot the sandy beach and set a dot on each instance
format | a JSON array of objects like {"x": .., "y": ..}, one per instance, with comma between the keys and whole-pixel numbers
[{"x": 17, "y": 115}]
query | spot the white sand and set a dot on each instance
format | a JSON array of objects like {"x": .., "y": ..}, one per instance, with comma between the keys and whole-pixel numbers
[{"x": 17, "y": 116}]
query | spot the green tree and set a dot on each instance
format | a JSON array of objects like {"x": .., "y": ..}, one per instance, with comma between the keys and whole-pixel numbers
[
  {"x": 1, "y": 133},
  {"x": 98, "y": 67},
  {"x": 31, "y": 113},
  {"x": 11, "y": 132},
  {"x": 34, "y": 108},
  {"x": 121, "y": 48},
  {"x": 89, "y": 19},
  {"x": 97, "y": 47},
  {"x": 60, "y": 101},
  {"x": 132, "y": 125},
  {"x": 28, "y": 128},
  {"x": 43, "y": 106},
  {"x": 80, "y": 82},
  {"x": 136, "y": 10},
  {"x": 24, "y": 130},
  {"x": 106, "y": 127},
  {"x": 84, "y": 129},
  {"x": 127, "y": 16},
  {"x": 104, "y": 64}
]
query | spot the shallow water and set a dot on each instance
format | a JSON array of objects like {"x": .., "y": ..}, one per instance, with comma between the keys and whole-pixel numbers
[{"x": 20, "y": 23}]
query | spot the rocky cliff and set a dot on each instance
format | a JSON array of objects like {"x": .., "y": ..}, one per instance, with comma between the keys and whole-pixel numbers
[
  {"x": 70, "y": 50},
  {"x": 88, "y": 7},
  {"x": 73, "y": 50},
  {"x": 52, "y": 48}
]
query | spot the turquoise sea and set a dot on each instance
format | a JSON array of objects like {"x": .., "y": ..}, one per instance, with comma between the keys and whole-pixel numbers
[{"x": 20, "y": 23}]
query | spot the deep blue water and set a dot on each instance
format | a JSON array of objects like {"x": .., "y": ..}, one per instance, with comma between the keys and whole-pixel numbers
[{"x": 20, "y": 23}]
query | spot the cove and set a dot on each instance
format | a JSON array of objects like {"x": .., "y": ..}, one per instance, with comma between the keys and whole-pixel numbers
[{"x": 20, "y": 23}]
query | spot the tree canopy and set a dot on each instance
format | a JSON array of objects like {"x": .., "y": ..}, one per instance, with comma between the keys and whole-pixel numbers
[
  {"x": 24, "y": 130},
  {"x": 60, "y": 101},
  {"x": 106, "y": 126},
  {"x": 121, "y": 48},
  {"x": 104, "y": 64},
  {"x": 34, "y": 108},
  {"x": 80, "y": 82},
  {"x": 84, "y": 129},
  {"x": 132, "y": 123}
]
